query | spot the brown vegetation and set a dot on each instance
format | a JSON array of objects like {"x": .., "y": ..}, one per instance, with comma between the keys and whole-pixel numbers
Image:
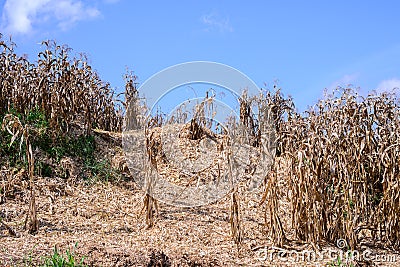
[{"x": 336, "y": 173}]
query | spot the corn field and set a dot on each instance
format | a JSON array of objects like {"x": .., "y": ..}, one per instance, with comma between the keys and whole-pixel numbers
[
  {"x": 343, "y": 180},
  {"x": 344, "y": 176},
  {"x": 67, "y": 90}
]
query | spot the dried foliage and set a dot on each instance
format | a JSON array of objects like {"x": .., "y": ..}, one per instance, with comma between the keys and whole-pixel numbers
[
  {"x": 67, "y": 90},
  {"x": 344, "y": 176},
  {"x": 13, "y": 125},
  {"x": 235, "y": 218},
  {"x": 59, "y": 99},
  {"x": 343, "y": 179}
]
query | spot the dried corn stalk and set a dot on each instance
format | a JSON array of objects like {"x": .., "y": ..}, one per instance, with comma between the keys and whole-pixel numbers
[
  {"x": 344, "y": 176},
  {"x": 67, "y": 90},
  {"x": 13, "y": 125}
]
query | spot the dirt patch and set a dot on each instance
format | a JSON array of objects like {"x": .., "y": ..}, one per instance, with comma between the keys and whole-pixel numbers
[{"x": 107, "y": 222}]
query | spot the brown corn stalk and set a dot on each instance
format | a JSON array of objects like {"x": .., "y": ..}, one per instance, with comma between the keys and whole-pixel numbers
[{"x": 13, "y": 125}]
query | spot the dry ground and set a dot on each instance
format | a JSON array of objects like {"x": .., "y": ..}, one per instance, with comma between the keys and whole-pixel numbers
[
  {"x": 104, "y": 219},
  {"x": 107, "y": 223}
]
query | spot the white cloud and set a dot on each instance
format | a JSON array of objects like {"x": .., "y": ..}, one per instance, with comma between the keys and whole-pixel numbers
[
  {"x": 345, "y": 81},
  {"x": 111, "y": 1},
  {"x": 388, "y": 85},
  {"x": 215, "y": 22},
  {"x": 68, "y": 12},
  {"x": 21, "y": 16}
]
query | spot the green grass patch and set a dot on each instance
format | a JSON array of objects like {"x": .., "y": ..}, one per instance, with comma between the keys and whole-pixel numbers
[{"x": 69, "y": 259}]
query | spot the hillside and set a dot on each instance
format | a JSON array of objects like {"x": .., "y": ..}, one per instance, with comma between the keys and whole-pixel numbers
[{"x": 329, "y": 189}]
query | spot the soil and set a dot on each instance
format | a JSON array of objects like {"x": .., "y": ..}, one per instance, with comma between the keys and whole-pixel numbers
[{"x": 104, "y": 222}]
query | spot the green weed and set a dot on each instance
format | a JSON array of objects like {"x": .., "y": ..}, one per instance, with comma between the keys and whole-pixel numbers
[{"x": 67, "y": 260}]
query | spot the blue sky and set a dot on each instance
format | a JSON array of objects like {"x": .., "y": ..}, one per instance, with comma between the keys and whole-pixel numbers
[{"x": 305, "y": 46}]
